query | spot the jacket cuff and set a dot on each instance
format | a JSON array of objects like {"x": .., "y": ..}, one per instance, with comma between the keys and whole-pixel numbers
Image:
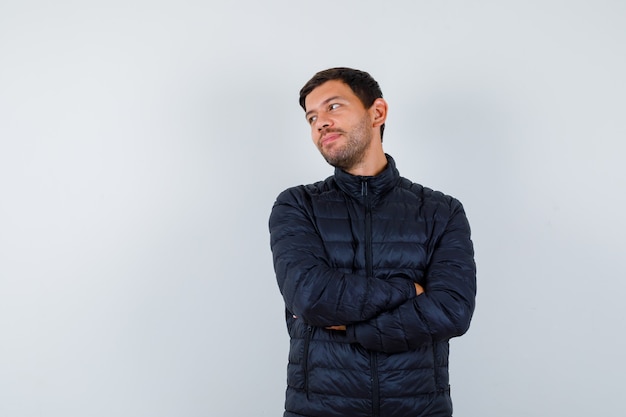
[{"x": 351, "y": 333}]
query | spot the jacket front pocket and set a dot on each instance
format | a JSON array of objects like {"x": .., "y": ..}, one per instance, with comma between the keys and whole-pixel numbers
[
  {"x": 297, "y": 368},
  {"x": 305, "y": 357}
]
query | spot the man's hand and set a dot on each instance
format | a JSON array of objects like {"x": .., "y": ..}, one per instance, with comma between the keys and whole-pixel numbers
[
  {"x": 418, "y": 288},
  {"x": 340, "y": 327}
]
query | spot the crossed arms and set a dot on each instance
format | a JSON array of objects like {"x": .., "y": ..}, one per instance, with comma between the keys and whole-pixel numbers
[{"x": 390, "y": 315}]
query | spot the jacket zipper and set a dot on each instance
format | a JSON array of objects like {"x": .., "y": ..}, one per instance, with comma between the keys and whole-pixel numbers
[
  {"x": 305, "y": 359},
  {"x": 368, "y": 230},
  {"x": 369, "y": 266},
  {"x": 374, "y": 379}
]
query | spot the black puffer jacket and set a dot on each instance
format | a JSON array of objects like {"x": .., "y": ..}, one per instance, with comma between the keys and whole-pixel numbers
[{"x": 347, "y": 251}]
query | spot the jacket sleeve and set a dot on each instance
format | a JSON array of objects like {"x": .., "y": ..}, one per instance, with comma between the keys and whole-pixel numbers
[
  {"x": 312, "y": 289},
  {"x": 445, "y": 308}
]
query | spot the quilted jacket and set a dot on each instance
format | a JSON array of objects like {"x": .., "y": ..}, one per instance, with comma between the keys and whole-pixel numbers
[{"x": 346, "y": 251}]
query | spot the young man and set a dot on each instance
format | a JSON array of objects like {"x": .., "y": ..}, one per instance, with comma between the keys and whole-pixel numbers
[{"x": 377, "y": 272}]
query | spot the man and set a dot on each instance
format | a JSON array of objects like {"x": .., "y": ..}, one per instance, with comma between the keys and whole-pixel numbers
[{"x": 377, "y": 272}]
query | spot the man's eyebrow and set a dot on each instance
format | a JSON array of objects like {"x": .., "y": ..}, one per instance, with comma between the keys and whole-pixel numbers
[{"x": 306, "y": 115}]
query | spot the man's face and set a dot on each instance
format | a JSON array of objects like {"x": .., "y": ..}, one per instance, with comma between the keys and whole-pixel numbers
[{"x": 341, "y": 127}]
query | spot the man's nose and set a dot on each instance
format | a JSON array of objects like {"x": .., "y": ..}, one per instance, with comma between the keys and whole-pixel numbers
[
  {"x": 322, "y": 123},
  {"x": 323, "y": 126}
]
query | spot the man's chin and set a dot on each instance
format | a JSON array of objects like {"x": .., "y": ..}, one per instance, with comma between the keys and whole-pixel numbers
[
  {"x": 331, "y": 161},
  {"x": 337, "y": 163}
]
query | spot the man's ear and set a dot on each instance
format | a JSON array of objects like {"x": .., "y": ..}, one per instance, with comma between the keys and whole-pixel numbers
[{"x": 378, "y": 111}]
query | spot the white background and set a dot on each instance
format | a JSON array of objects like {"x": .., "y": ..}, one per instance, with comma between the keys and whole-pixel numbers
[{"x": 142, "y": 144}]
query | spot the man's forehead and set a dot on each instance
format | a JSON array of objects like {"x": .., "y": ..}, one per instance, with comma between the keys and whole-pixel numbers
[{"x": 328, "y": 90}]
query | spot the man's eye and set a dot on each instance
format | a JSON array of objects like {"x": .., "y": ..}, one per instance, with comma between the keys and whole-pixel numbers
[
  {"x": 333, "y": 106},
  {"x": 312, "y": 119}
]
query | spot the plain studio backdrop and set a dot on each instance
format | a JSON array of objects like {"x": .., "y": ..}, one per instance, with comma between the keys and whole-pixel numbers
[{"x": 142, "y": 145}]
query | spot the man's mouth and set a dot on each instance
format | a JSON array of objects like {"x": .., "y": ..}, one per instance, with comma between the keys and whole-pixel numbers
[{"x": 329, "y": 137}]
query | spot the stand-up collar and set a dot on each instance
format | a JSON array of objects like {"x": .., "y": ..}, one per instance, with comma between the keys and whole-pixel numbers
[{"x": 376, "y": 185}]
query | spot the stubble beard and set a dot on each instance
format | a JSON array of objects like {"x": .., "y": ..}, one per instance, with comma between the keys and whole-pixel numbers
[{"x": 353, "y": 151}]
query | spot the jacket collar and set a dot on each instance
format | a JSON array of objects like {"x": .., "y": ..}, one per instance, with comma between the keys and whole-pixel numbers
[{"x": 353, "y": 185}]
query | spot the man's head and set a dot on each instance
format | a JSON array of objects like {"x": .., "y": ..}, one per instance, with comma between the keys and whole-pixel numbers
[
  {"x": 347, "y": 113},
  {"x": 360, "y": 82}
]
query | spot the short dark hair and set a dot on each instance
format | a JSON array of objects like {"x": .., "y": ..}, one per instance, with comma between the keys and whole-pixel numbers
[{"x": 360, "y": 82}]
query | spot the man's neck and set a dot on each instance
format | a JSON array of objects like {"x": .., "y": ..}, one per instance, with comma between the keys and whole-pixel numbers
[{"x": 373, "y": 164}]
